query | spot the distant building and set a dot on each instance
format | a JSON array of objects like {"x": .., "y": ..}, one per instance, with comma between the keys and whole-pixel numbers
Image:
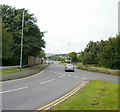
[{"x": 119, "y": 17}]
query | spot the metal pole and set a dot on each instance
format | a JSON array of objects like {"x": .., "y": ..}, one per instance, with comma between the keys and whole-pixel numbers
[
  {"x": 68, "y": 47},
  {"x": 22, "y": 41}
]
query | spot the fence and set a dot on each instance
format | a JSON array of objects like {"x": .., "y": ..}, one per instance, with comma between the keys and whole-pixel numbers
[{"x": 34, "y": 60}]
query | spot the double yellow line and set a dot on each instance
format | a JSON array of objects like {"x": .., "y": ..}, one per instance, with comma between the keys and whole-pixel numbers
[{"x": 63, "y": 98}]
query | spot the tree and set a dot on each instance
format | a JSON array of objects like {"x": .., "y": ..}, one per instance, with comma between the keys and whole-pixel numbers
[
  {"x": 110, "y": 56},
  {"x": 41, "y": 54},
  {"x": 73, "y": 55},
  {"x": 7, "y": 42},
  {"x": 104, "y": 53},
  {"x": 32, "y": 41}
]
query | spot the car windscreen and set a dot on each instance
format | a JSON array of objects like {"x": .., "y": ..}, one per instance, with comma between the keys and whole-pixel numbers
[{"x": 69, "y": 65}]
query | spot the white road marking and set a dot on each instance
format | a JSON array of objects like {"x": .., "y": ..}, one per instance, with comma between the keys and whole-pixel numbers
[
  {"x": 84, "y": 78},
  {"x": 13, "y": 90},
  {"x": 69, "y": 75},
  {"x": 50, "y": 80},
  {"x": 42, "y": 82},
  {"x": 61, "y": 76},
  {"x": 47, "y": 81},
  {"x": 75, "y": 77}
]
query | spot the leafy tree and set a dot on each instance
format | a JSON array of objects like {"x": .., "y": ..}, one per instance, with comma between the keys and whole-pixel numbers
[
  {"x": 7, "y": 42},
  {"x": 33, "y": 41},
  {"x": 73, "y": 55},
  {"x": 105, "y": 53},
  {"x": 41, "y": 54},
  {"x": 110, "y": 56},
  {"x": 62, "y": 59}
]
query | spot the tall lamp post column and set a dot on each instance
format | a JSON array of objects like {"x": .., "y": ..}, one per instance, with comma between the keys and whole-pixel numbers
[
  {"x": 22, "y": 41},
  {"x": 68, "y": 47}
]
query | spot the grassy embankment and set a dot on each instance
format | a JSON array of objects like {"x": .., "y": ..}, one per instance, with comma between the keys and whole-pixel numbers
[
  {"x": 98, "y": 95},
  {"x": 95, "y": 68},
  {"x": 13, "y": 70}
]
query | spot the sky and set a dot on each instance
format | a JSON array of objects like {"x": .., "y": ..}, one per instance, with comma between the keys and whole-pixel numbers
[{"x": 71, "y": 24}]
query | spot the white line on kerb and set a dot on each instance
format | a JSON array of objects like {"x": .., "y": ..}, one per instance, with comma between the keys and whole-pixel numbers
[{"x": 13, "y": 90}]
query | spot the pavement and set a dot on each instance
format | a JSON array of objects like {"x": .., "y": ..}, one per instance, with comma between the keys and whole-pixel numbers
[{"x": 21, "y": 74}]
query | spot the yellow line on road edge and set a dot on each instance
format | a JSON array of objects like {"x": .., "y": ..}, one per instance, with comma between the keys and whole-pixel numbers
[
  {"x": 26, "y": 77},
  {"x": 58, "y": 101}
]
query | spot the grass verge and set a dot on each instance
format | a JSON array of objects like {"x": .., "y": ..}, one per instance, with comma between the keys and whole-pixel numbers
[
  {"x": 13, "y": 70},
  {"x": 98, "y": 95},
  {"x": 98, "y": 69}
]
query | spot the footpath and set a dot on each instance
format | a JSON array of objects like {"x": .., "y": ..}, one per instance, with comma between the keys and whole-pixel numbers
[{"x": 21, "y": 74}]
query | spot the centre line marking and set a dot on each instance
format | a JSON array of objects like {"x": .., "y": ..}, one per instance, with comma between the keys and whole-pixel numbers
[
  {"x": 84, "y": 78},
  {"x": 61, "y": 76},
  {"x": 50, "y": 80},
  {"x": 75, "y": 77},
  {"x": 14, "y": 90},
  {"x": 69, "y": 75},
  {"x": 47, "y": 81}
]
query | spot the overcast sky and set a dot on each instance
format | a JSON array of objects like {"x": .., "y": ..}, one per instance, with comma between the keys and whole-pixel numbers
[{"x": 72, "y": 21}]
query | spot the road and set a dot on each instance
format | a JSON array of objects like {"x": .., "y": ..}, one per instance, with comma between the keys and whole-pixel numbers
[{"x": 37, "y": 91}]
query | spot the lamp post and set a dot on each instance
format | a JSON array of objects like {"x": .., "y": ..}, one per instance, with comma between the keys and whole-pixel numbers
[
  {"x": 68, "y": 47},
  {"x": 22, "y": 41}
]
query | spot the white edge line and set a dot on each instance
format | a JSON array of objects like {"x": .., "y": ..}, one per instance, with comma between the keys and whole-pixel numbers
[{"x": 13, "y": 90}]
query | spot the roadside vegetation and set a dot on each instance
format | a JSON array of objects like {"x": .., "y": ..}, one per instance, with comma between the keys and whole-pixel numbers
[
  {"x": 102, "y": 53},
  {"x": 101, "y": 56},
  {"x": 94, "y": 68},
  {"x": 97, "y": 95},
  {"x": 13, "y": 70},
  {"x": 11, "y": 36}
]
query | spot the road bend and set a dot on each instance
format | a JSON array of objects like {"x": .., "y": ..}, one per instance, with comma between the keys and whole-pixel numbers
[{"x": 45, "y": 87}]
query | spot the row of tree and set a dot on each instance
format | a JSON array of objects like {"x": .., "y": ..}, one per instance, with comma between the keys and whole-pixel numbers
[
  {"x": 11, "y": 36},
  {"x": 104, "y": 53}
]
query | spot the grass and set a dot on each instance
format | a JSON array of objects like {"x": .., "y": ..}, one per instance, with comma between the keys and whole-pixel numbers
[
  {"x": 13, "y": 70},
  {"x": 98, "y": 95},
  {"x": 101, "y": 70}
]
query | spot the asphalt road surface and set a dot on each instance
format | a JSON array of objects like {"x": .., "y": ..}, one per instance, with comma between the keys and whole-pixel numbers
[{"x": 45, "y": 87}]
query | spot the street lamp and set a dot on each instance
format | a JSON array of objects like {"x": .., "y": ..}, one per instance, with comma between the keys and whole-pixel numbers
[
  {"x": 68, "y": 47},
  {"x": 22, "y": 41}
]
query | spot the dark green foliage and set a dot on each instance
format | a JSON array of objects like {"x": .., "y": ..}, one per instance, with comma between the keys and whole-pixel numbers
[
  {"x": 73, "y": 55},
  {"x": 104, "y": 53},
  {"x": 32, "y": 37},
  {"x": 7, "y": 42}
]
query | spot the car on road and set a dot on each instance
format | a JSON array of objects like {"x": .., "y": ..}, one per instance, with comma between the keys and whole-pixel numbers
[{"x": 69, "y": 67}]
